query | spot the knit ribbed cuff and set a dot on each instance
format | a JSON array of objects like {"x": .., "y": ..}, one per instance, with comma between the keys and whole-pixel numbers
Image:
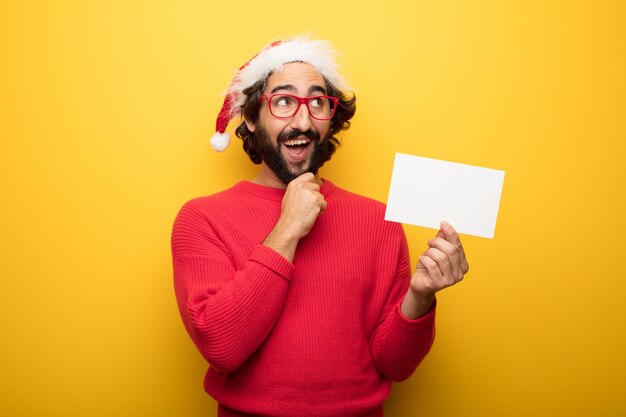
[
  {"x": 271, "y": 259},
  {"x": 420, "y": 323}
]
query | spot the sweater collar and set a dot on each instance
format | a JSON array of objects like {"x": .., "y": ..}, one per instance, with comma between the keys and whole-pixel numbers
[{"x": 277, "y": 194}]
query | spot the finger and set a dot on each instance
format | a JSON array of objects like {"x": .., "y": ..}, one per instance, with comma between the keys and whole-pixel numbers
[
  {"x": 308, "y": 186},
  {"x": 447, "y": 248},
  {"x": 303, "y": 190},
  {"x": 452, "y": 236},
  {"x": 306, "y": 177},
  {"x": 448, "y": 275},
  {"x": 452, "y": 253},
  {"x": 323, "y": 205},
  {"x": 444, "y": 245},
  {"x": 434, "y": 272},
  {"x": 450, "y": 233}
]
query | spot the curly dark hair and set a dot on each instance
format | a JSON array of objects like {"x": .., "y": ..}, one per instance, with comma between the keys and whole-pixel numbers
[{"x": 251, "y": 107}]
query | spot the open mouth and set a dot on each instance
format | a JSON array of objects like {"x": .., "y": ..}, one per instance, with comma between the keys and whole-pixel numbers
[
  {"x": 297, "y": 147},
  {"x": 297, "y": 143}
]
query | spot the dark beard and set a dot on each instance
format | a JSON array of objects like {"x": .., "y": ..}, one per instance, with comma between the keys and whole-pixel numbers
[{"x": 274, "y": 159}]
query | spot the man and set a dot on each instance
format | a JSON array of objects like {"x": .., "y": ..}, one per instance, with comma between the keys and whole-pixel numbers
[{"x": 298, "y": 293}]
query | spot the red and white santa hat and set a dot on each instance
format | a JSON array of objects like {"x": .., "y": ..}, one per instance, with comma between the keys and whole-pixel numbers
[{"x": 317, "y": 53}]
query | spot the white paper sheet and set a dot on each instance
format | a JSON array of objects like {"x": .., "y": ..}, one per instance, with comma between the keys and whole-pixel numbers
[{"x": 425, "y": 191}]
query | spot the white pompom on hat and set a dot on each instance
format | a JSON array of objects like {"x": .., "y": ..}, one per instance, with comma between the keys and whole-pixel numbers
[{"x": 317, "y": 53}]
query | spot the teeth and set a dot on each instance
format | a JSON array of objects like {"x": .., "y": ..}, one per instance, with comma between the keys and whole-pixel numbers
[{"x": 295, "y": 142}]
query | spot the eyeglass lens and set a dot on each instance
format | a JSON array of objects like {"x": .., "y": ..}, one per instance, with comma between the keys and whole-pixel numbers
[{"x": 287, "y": 106}]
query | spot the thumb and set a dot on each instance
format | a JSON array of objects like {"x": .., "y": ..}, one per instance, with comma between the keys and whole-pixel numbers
[{"x": 306, "y": 177}]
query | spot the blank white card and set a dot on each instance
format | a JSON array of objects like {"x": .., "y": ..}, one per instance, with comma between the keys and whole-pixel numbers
[{"x": 425, "y": 191}]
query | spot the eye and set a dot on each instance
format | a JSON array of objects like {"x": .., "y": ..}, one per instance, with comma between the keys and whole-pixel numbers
[
  {"x": 316, "y": 102},
  {"x": 283, "y": 101}
]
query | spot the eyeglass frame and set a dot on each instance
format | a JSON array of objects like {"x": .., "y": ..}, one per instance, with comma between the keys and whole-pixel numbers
[{"x": 301, "y": 101}]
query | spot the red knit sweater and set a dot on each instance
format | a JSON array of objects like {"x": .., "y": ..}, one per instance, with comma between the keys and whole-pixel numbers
[{"x": 322, "y": 336}]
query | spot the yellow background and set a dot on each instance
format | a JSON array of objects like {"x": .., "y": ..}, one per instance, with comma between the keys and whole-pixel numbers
[{"x": 106, "y": 112}]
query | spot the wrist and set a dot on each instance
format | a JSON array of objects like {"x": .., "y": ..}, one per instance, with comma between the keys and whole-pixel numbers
[
  {"x": 415, "y": 305},
  {"x": 283, "y": 240}
]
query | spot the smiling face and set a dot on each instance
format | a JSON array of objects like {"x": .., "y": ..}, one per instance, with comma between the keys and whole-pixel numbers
[{"x": 290, "y": 147}]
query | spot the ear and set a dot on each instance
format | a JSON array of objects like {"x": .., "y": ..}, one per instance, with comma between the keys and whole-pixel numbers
[{"x": 251, "y": 127}]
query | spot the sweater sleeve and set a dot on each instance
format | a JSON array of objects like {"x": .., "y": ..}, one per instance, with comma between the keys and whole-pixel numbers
[
  {"x": 227, "y": 312},
  {"x": 398, "y": 344}
]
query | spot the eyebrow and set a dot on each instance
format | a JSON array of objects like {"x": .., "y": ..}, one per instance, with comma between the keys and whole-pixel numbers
[{"x": 290, "y": 87}]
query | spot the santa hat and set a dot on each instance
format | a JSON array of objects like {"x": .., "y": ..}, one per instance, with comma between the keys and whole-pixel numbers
[{"x": 317, "y": 53}]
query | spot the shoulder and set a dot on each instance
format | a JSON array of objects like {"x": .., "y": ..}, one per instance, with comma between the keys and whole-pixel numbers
[
  {"x": 199, "y": 205},
  {"x": 202, "y": 220},
  {"x": 244, "y": 204},
  {"x": 223, "y": 201},
  {"x": 205, "y": 207}
]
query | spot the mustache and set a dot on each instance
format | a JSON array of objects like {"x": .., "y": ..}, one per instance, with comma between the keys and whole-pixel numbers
[{"x": 294, "y": 133}]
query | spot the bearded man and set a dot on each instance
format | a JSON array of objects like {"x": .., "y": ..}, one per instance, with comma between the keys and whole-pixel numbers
[{"x": 297, "y": 292}]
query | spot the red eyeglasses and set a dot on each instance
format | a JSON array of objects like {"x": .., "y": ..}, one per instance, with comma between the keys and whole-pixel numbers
[{"x": 284, "y": 106}]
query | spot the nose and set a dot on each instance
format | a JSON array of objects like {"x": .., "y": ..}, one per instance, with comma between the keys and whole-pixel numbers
[{"x": 301, "y": 120}]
